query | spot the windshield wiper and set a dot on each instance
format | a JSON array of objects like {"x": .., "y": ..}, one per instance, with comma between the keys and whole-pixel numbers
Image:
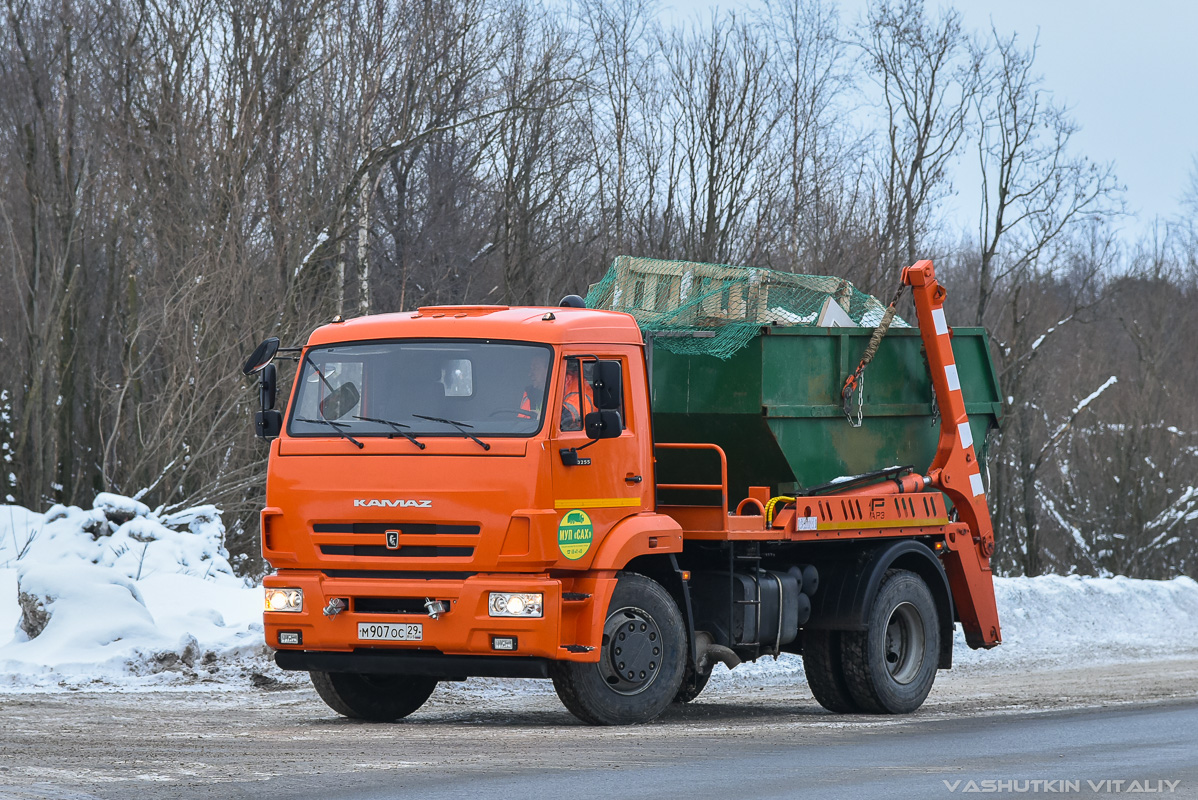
[
  {"x": 397, "y": 427},
  {"x": 461, "y": 426},
  {"x": 308, "y": 360},
  {"x": 335, "y": 426}
]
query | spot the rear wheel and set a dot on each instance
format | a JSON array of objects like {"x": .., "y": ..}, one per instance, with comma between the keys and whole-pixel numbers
[
  {"x": 825, "y": 671},
  {"x": 378, "y": 698},
  {"x": 890, "y": 667},
  {"x": 640, "y": 665}
]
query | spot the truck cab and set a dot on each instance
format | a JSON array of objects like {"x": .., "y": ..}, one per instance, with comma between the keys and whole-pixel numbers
[{"x": 441, "y": 459}]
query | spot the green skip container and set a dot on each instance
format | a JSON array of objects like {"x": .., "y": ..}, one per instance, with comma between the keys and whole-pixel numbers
[{"x": 774, "y": 407}]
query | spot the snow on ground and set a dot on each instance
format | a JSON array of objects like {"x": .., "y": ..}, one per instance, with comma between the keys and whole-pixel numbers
[{"x": 140, "y": 599}]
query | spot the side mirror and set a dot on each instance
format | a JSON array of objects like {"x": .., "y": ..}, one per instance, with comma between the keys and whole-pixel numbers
[
  {"x": 608, "y": 383},
  {"x": 268, "y": 424},
  {"x": 261, "y": 356},
  {"x": 340, "y": 402},
  {"x": 602, "y": 424},
  {"x": 268, "y": 387}
]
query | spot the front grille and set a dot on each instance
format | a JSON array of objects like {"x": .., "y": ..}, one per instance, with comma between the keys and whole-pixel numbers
[
  {"x": 406, "y": 551},
  {"x": 389, "y": 605},
  {"x": 396, "y": 575},
  {"x": 410, "y": 528},
  {"x": 351, "y": 544}
]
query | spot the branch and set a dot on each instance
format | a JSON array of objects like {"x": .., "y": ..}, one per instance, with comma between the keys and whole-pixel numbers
[
  {"x": 1060, "y": 432},
  {"x": 1031, "y": 352}
]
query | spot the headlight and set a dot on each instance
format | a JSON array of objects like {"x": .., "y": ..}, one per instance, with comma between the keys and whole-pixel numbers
[
  {"x": 284, "y": 599},
  {"x": 509, "y": 604}
]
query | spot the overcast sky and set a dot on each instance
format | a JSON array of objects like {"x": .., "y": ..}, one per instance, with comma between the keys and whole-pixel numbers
[{"x": 1128, "y": 72}]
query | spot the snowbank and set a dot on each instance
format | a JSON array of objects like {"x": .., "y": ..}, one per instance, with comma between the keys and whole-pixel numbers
[
  {"x": 119, "y": 593},
  {"x": 120, "y": 596},
  {"x": 1056, "y": 620}
]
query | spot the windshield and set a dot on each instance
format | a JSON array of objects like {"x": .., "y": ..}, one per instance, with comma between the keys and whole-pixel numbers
[{"x": 422, "y": 388}]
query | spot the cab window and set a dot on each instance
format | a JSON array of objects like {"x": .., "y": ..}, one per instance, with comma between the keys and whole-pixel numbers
[{"x": 578, "y": 398}]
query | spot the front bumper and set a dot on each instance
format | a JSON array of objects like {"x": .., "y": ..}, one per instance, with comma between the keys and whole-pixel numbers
[
  {"x": 465, "y": 629},
  {"x": 415, "y": 662}
]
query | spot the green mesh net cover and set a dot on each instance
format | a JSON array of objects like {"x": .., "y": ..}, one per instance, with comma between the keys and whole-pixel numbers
[{"x": 714, "y": 309}]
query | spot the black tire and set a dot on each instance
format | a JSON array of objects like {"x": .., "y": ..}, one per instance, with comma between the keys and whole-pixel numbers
[
  {"x": 641, "y": 662},
  {"x": 825, "y": 671},
  {"x": 378, "y": 698},
  {"x": 890, "y": 667},
  {"x": 692, "y": 686}
]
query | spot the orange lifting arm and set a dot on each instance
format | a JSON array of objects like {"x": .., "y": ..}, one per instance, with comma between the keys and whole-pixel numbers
[{"x": 955, "y": 469}]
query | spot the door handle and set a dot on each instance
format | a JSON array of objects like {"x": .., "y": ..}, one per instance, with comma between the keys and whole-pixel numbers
[{"x": 632, "y": 478}]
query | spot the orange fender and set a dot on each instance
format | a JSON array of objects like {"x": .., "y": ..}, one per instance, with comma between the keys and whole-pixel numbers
[{"x": 638, "y": 535}]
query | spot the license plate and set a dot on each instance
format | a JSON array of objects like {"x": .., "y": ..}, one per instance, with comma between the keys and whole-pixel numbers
[{"x": 386, "y": 632}]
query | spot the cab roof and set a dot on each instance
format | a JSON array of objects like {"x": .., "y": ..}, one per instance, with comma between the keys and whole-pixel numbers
[{"x": 550, "y": 325}]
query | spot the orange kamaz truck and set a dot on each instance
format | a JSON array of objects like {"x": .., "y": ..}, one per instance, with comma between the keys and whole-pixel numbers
[{"x": 709, "y": 465}]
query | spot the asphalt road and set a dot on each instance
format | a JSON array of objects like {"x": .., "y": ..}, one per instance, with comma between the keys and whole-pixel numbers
[
  {"x": 1156, "y": 747},
  {"x": 1063, "y": 728}
]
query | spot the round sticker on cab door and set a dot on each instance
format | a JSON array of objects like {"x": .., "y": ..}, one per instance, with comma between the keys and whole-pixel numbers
[{"x": 574, "y": 534}]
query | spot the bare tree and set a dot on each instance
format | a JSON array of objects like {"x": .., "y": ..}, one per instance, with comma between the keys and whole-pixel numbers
[
  {"x": 725, "y": 99},
  {"x": 536, "y": 151},
  {"x": 815, "y": 147},
  {"x": 622, "y": 63},
  {"x": 1033, "y": 188},
  {"x": 47, "y": 113},
  {"x": 1035, "y": 196},
  {"x": 1037, "y": 308},
  {"x": 928, "y": 72}
]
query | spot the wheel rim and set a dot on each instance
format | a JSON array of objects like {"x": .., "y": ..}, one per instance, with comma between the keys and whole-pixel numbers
[
  {"x": 903, "y": 645},
  {"x": 631, "y": 651}
]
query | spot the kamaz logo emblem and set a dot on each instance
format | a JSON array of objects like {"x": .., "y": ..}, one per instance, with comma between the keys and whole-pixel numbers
[{"x": 393, "y": 503}]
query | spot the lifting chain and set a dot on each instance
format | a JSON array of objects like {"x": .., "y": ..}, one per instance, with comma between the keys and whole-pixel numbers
[
  {"x": 935, "y": 407},
  {"x": 859, "y": 379},
  {"x": 856, "y": 381}
]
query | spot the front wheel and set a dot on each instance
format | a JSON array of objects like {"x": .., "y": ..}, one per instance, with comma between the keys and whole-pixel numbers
[
  {"x": 693, "y": 684},
  {"x": 889, "y": 668},
  {"x": 641, "y": 661},
  {"x": 378, "y": 698}
]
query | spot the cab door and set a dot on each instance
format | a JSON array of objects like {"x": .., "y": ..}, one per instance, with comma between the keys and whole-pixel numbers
[{"x": 601, "y": 484}]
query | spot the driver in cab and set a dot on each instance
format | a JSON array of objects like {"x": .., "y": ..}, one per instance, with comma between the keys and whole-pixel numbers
[{"x": 577, "y": 399}]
